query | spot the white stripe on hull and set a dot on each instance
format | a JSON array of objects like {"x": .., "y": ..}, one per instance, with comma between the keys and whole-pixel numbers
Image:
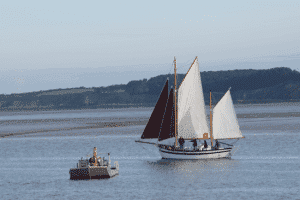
[{"x": 194, "y": 155}]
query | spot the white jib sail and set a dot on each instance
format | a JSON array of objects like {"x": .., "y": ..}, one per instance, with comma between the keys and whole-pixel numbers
[
  {"x": 192, "y": 122},
  {"x": 225, "y": 124}
]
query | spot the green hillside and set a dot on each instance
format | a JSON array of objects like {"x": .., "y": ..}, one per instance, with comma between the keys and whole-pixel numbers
[{"x": 247, "y": 86}]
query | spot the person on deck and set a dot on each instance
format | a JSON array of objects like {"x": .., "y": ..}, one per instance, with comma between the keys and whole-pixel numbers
[
  {"x": 181, "y": 142},
  {"x": 217, "y": 144},
  {"x": 194, "y": 143},
  {"x": 205, "y": 144}
]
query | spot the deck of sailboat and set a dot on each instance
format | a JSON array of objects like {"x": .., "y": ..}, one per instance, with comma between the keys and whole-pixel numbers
[
  {"x": 213, "y": 153},
  {"x": 177, "y": 149}
]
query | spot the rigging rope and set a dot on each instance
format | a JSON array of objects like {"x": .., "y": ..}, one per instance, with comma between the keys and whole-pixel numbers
[
  {"x": 172, "y": 67},
  {"x": 232, "y": 144}
]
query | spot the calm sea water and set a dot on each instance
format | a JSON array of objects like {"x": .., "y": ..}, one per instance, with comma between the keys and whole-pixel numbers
[{"x": 265, "y": 165}]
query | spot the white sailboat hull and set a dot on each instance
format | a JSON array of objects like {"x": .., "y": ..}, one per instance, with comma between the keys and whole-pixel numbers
[{"x": 195, "y": 155}]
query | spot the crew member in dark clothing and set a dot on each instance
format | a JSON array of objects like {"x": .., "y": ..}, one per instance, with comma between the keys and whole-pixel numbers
[
  {"x": 194, "y": 143},
  {"x": 181, "y": 142},
  {"x": 217, "y": 144},
  {"x": 205, "y": 144}
]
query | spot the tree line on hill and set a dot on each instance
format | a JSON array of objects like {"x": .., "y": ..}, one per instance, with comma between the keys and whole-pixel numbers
[{"x": 247, "y": 86}]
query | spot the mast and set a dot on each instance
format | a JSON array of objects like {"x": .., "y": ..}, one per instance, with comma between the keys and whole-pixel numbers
[
  {"x": 175, "y": 100},
  {"x": 211, "y": 137}
]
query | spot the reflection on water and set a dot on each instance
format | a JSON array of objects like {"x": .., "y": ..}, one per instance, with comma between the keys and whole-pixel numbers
[
  {"x": 188, "y": 170},
  {"x": 194, "y": 165}
]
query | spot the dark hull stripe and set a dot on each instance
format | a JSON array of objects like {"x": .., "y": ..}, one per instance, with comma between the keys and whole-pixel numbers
[
  {"x": 82, "y": 174},
  {"x": 194, "y": 153}
]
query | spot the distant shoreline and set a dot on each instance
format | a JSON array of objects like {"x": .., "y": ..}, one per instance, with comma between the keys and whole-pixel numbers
[{"x": 273, "y": 85}]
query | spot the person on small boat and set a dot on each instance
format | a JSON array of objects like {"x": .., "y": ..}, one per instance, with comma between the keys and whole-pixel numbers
[
  {"x": 194, "y": 143},
  {"x": 205, "y": 144},
  {"x": 181, "y": 142}
]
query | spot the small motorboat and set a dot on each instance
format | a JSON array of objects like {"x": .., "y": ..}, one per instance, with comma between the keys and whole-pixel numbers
[{"x": 94, "y": 168}]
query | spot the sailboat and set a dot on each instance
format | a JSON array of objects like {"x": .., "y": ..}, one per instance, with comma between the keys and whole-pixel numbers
[{"x": 180, "y": 116}]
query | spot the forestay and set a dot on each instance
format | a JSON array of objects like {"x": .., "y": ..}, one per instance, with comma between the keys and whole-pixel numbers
[
  {"x": 192, "y": 122},
  {"x": 225, "y": 124}
]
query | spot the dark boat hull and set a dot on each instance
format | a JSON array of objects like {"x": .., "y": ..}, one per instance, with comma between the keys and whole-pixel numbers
[{"x": 92, "y": 173}]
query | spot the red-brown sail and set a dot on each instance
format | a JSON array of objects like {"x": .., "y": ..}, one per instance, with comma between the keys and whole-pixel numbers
[
  {"x": 168, "y": 121},
  {"x": 154, "y": 124}
]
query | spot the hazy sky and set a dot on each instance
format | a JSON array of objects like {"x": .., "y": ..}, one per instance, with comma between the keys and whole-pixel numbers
[{"x": 60, "y": 44}]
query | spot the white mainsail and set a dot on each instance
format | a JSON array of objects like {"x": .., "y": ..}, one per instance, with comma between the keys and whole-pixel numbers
[
  {"x": 192, "y": 122},
  {"x": 225, "y": 124}
]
